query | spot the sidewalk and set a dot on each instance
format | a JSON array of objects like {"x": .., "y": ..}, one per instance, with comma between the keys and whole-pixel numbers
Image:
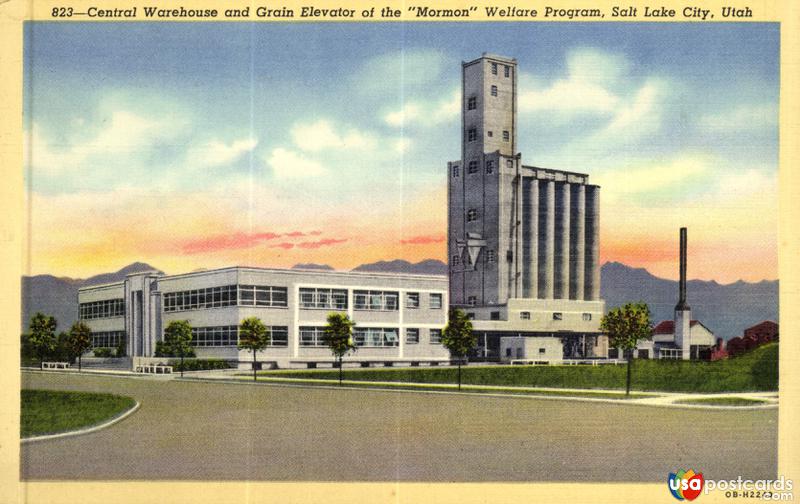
[{"x": 662, "y": 399}]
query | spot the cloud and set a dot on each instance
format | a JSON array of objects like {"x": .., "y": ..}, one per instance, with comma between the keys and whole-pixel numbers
[
  {"x": 640, "y": 117},
  {"x": 287, "y": 164},
  {"x": 323, "y": 135},
  {"x": 754, "y": 185},
  {"x": 740, "y": 119},
  {"x": 227, "y": 241},
  {"x": 632, "y": 127},
  {"x": 588, "y": 64},
  {"x": 283, "y": 245},
  {"x": 245, "y": 240},
  {"x": 217, "y": 153},
  {"x": 589, "y": 87},
  {"x": 407, "y": 68},
  {"x": 325, "y": 242},
  {"x": 652, "y": 178},
  {"x": 123, "y": 135},
  {"x": 423, "y": 240},
  {"x": 426, "y": 113}
]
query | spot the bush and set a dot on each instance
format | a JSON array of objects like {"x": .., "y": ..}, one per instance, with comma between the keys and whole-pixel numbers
[
  {"x": 62, "y": 351},
  {"x": 103, "y": 352},
  {"x": 199, "y": 364},
  {"x": 753, "y": 371},
  {"x": 164, "y": 350}
]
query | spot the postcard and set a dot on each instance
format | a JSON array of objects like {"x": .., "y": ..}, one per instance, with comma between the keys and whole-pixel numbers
[{"x": 343, "y": 251}]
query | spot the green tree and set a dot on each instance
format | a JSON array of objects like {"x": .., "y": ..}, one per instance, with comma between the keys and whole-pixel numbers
[
  {"x": 253, "y": 336},
  {"x": 62, "y": 351},
  {"x": 26, "y": 350},
  {"x": 338, "y": 337},
  {"x": 626, "y": 326},
  {"x": 458, "y": 337},
  {"x": 79, "y": 340},
  {"x": 42, "y": 335},
  {"x": 178, "y": 337}
]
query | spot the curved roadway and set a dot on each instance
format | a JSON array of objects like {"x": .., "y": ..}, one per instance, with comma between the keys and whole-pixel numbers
[{"x": 221, "y": 431}]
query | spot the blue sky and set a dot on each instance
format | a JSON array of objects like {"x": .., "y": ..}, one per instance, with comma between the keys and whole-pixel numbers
[{"x": 344, "y": 130}]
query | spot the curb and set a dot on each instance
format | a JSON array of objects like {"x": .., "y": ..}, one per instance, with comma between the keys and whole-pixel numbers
[
  {"x": 80, "y": 432},
  {"x": 627, "y": 402}
]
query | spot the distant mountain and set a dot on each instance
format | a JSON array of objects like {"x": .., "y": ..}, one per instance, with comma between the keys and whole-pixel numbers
[
  {"x": 426, "y": 267},
  {"x": 725, "y": 309},
  {"x": 120, "y": 275},
  {"x": 312, "y": 266},
  {"x": 58, "y": 296}
]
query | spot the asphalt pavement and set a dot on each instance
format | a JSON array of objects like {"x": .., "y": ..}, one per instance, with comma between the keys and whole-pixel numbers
[{"x": 226, "y": 431}]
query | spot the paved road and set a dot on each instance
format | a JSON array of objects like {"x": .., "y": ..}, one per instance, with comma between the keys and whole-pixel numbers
[{"x": 216, "y": 431}]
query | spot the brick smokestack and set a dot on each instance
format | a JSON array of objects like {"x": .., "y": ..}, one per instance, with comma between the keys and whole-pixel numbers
[{"x": 682, "y": 306}]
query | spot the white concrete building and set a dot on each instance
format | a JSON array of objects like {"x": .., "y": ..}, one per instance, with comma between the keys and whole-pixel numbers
[
  {"x": 523, "y": 241},
  {"x": 399, "y": 317}
]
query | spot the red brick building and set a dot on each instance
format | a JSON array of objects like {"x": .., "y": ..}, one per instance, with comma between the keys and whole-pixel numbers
[
  {"x": 753, "y": 337},
  {"x": 763, "y": 332}
]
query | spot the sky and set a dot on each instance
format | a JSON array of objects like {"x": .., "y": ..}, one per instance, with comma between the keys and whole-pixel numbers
[{"x": 204, "y": 145}]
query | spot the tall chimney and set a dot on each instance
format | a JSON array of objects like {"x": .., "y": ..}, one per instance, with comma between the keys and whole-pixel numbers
[{"x": 682, "y": 306}]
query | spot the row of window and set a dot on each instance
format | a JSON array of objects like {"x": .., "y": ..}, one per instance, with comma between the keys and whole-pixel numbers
[
  {"x": 472, "y": 101},
  {"x": 375, "y": 337},
  {"x": 412, "y": 336},
  {"x": 472, "y": 135},
  {"x": 252, "y": 295},
  {"x": 523, "y": 315},
  {"x": 506, "y": 70},
  {"x": 330, "y": 299},
  {"x": 473, "y": 166},
  {"x": 102, "y": 309},
  {"x": 336, "y": 299},
  {"x": 225, "y": 336},
  {"x": 228, "y": 295},
  {"x": 368, "y": 336},
  {"x": 107, "y": 339},
  {"x": 375, "y": 300}
]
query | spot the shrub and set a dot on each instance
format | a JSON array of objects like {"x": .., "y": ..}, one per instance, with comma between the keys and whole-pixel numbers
[
  {"x": 103, "y": 352},
  {"x": 199, "y": 364},
  {"x": 163, "y": 350}
]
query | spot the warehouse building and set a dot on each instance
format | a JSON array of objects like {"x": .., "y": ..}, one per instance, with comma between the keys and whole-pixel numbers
[
  {"x": 399, "y": 317},
  {"x": 523, "y": 241}
]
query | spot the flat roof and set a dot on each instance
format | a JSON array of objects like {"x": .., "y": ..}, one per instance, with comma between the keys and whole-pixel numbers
[
  {"x": 490, "y": 56},
  {"x": 298, "y": 271},
  {"x": 553, "y": 170}
]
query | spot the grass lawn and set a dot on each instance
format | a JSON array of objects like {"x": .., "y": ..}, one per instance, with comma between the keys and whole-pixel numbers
[
  {"x": 723, "y": 401},
  {"x": 50, "y": 412},
  {"x": 451, "y": 388},
  {"x": 755, "y": 371}
]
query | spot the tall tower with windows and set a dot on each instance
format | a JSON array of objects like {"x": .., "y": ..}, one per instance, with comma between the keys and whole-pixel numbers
[
  {"x": 514, "y": 231},
  {"x": 482, "y": 194}
]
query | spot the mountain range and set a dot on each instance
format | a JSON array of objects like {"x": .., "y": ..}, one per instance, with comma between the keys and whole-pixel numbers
[{"x": 725, "y": 309}]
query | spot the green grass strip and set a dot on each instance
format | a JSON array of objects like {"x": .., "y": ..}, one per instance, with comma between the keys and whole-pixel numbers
[
  {"x": 723, "y": 401},
  {"x": 51, "y": 412},
  {"x": 454, "y": 388},
  {"x": 756, "y": 370}
]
